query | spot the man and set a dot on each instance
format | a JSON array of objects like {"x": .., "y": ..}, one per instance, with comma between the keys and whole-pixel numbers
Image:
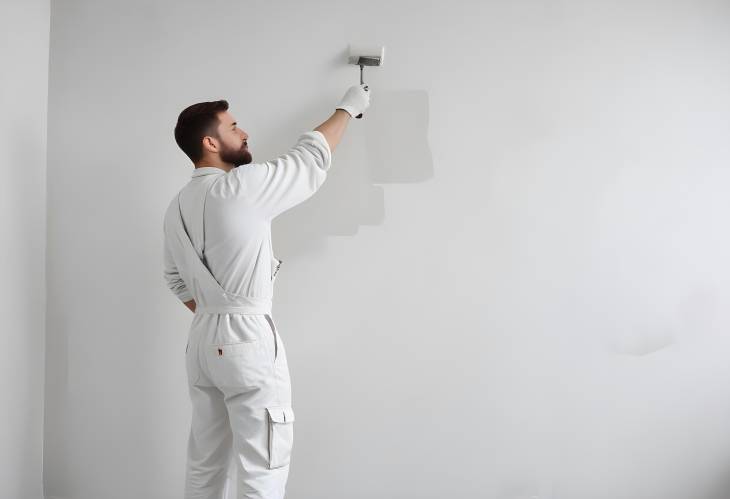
[{"x": 219, "y": 261}]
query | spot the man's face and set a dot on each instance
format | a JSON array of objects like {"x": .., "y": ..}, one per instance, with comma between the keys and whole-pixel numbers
[{"x": 233, "y": 141}]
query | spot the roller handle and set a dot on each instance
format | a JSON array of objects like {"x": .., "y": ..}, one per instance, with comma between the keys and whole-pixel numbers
[{"x": 361, "y": 82}]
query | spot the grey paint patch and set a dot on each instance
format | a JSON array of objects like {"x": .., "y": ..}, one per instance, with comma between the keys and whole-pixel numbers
[{"x": 391, "y": 147}]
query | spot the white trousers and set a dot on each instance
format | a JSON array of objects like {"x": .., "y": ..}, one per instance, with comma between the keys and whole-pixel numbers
[{"x": 240, "y": 391}]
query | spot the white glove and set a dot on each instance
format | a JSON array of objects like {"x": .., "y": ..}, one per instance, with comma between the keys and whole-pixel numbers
[{"x": 356, "y": 100}]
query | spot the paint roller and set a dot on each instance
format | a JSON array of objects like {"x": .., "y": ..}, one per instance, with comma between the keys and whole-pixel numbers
[{"x": 366, "y": 55}]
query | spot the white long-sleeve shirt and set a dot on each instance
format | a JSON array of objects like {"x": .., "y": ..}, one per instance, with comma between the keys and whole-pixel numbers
[{"x": 236, "y": 223}]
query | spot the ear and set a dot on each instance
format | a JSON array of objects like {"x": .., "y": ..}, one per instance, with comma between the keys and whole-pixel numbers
[{"x": 210, "y": 144}]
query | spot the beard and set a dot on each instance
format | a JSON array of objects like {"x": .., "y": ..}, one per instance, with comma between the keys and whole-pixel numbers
[{"x": 237, "y": 157}]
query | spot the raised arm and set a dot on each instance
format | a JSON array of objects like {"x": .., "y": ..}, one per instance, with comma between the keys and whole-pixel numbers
[
  {"x": 277, "y": 185},
  {"x": 334, "y": 127}
]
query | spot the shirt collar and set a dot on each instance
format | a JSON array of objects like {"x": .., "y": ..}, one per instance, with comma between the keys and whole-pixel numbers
[{"x": 207, "y": 170}]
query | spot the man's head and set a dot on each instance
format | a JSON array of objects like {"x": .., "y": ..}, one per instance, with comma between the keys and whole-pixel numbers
[{"x": 210, "y": 136}]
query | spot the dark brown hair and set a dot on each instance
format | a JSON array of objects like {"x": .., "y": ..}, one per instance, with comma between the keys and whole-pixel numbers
[{"x": 194, "y": 123}]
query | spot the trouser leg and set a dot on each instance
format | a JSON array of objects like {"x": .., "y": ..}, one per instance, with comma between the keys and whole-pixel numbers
[
  {"x": 262, "y": 423},
  {"x": 209, "y": 445},
  {"x": 250, "y": 421}
]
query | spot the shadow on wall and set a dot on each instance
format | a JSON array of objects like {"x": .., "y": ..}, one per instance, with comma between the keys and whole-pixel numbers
[
  {"x": 641, "y": 330},
  {"x": 391, "y": 147}
]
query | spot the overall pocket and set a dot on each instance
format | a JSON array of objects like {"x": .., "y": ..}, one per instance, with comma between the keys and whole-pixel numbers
[
  {"x": 281, "y": 435},
  {"x": 191, "y": 364},
  {"x": 241, "y": 364},
  {"x": 275, "y": 266}
]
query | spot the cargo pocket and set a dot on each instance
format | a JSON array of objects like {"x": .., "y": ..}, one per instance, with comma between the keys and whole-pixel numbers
[
  {"x": 281, "y": 435},
  {"x": 242, "y": 364}
]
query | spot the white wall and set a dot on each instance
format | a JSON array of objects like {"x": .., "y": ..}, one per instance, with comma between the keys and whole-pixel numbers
[
  {"x": 24, "y": 27},
  {"x": 514, "y": 284}
]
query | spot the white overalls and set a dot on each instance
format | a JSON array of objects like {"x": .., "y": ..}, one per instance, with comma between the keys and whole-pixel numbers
[{"x": 218, "y": 252}]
